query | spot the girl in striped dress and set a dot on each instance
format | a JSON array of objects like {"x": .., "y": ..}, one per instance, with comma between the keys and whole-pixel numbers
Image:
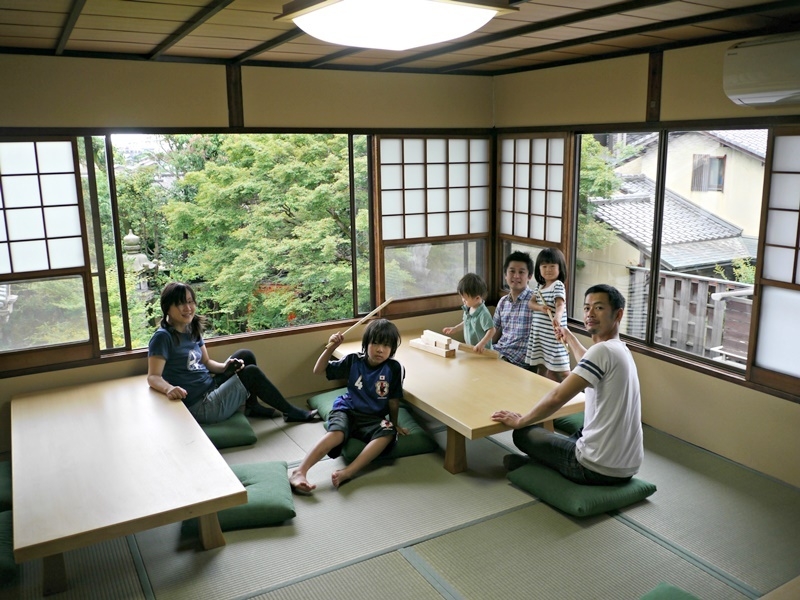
[{"x": 545, "y": 353}]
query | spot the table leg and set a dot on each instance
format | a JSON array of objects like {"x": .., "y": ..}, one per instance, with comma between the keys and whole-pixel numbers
[
  {"x": 210, "y": 532},
  {"x": 54, "y": 574},
  {"x": 455, "y": 455}
]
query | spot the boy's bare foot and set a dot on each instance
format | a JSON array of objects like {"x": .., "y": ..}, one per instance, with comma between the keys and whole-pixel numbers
[
  {"x": 300, "y": 484},
  {"x": 339, "y": 477}
]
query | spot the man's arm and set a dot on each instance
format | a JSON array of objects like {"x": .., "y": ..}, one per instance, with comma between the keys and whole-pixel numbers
[{"x": 550, "y": 403}]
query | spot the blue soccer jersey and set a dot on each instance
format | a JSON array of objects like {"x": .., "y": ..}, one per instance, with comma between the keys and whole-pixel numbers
[{"x": 368, "y": 389}]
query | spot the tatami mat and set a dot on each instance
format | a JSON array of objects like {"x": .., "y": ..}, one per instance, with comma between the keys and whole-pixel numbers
[
  {"x": 277, "y": 441},
  {"x": 410, "y": 529},
  {"x": 387, "y": 507},
  {"x": 537, "y": 552},
  {"x": 99, "y": 571},
  {"x": 389, "y": 576},
  {"x": 743, "y": 522}
]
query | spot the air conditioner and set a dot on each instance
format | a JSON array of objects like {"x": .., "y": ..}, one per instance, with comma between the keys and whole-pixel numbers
[{"x": 763, "y": 72}]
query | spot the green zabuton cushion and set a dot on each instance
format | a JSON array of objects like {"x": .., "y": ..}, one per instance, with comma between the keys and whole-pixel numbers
[
  {"x": 5, "y": 485},
  {"x": 269, "y": 498},
  {"x": 8, "y": 568},
  {"x": 575, "y": 499},
  {"x": 418, "y": 441},
  {"x": 235, "y": 431},
  {"x": 667, "y": 591},
  {"x": 569, "y": 424}
]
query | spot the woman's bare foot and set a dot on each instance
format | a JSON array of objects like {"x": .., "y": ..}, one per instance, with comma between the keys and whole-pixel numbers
[
  {"x": 339, "y": 477},
  {"x": 300, "y": 484}
]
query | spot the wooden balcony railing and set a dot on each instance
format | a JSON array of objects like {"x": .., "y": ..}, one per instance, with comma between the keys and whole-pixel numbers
[{"x": 700, "y": 315}]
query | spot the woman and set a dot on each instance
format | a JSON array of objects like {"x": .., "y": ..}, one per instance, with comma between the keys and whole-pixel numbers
[{"x": 178, "y": 366}]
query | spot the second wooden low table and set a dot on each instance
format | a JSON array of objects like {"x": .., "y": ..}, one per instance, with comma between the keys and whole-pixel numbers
[
  {"x": 103, "y": 460},
  {"x": 464, "y": 391}
]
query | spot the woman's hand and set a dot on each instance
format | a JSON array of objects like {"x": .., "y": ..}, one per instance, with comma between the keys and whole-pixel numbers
[
  {"x": 233, "y": 365},
  {"x": 175, "y": 392}
]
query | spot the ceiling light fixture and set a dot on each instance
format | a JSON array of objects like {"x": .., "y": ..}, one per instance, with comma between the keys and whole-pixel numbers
[{"x": 391, "y": 24}]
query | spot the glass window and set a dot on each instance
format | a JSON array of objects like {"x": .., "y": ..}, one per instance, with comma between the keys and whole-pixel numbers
[
  {"x": 707, "y": 243},
  {"x": 44, "y": 300},
  {"x": 433, "y": 191},
  {"x": 271, "y": 230},
  {"x": 428, "y": 269}
]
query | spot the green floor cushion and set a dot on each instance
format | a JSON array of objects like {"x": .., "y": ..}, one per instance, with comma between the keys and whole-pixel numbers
[
  {"x": 8, "y": 568},
  {"x": 418, "y": 441},
  {"x": 5, "y": 485},
  {"x": 569, "y": 424},
  {"x": 269, "y": 498},
  {"x": 235, "y": 431},
  {"x": 667, "y": 591},
  {"x": 575, "y": 499}
]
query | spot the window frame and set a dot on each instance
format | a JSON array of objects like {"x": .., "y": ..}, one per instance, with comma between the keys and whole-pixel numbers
[
  {"x": 44, "y": 359},
  {"x": 769, "y": 382},
  {"x": 77, "y": 351},
  {"x": 432, "y": 302}
]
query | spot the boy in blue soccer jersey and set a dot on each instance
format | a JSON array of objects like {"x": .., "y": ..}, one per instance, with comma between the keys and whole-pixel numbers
[{"x": 374, "y": 390}]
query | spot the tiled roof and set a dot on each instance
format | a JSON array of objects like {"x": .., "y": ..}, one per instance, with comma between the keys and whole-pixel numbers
[
  {"x": 752, "y": 141},
  {"x": 691, "y": 236}
]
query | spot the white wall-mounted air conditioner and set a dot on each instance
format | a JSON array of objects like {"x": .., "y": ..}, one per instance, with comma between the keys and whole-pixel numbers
[{"x": 763, "y": 72}]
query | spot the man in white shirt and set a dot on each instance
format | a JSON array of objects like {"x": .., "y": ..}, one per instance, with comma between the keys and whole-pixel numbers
[{"x": 609, "y": 449}]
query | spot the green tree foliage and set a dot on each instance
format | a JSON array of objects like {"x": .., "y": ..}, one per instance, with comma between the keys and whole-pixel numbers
[
  {"x": 597, "y": 180},
  {"x": 744, "y": 271},
  {"x": 260, "y": 224}
]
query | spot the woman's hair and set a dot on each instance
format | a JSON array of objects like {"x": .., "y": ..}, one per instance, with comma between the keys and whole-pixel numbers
[
  {"x": 383, "y": 332},
  {"x": 174, "y": 294},
  {"x": 472, "y": 285},
  {"x": 550, "y": 256}
]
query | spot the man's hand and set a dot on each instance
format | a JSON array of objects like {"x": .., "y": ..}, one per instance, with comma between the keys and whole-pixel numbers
[
  {"x": 402, "y": 430},
  {"x": 506, "y": 417}
]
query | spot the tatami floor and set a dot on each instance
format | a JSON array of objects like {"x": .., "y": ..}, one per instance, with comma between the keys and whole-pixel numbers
[{"x": 409, "y": 529}]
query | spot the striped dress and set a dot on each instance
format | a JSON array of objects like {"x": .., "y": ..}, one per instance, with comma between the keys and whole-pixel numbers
[{"x": 543, "y": 347}]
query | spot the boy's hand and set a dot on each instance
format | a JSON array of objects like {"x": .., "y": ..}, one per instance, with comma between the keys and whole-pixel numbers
[
  {"x": 447, "y": 330},
  {"x": 402, "y": 430},
  {"x": 479, "y": 348},
  {"x": 335, "y": 339}
]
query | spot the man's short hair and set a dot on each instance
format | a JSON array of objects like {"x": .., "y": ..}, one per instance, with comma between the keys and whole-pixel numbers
[
  {"x": 518, "y": 256},
  {"x": 615, "y": 298}
]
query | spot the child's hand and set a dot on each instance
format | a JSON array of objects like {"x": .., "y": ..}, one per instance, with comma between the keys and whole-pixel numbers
[
  {"x": 447, "y": 330},
  {"x": 335, "y": 339},
  {"x": 479, "y": 348},
  {"x": 402, "y": 430}
]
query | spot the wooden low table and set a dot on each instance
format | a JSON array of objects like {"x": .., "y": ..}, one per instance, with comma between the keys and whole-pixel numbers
[
  {"x": 463, "y": 392},
  {"x": 99, "y": 461}
]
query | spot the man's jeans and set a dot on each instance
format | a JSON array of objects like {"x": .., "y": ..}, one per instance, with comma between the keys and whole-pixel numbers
[{"x": 558, "y": 452}]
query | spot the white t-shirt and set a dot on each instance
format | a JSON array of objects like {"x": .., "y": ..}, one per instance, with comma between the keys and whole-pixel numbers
[{"x": 611, "y": 443}]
